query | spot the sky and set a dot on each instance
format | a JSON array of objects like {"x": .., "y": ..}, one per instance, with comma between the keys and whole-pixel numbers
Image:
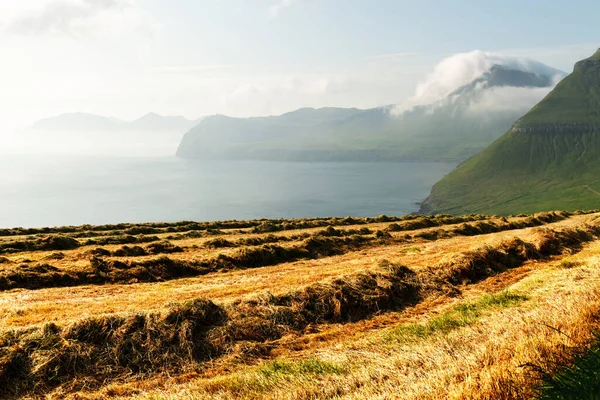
[{"x": 125, "y": 58}]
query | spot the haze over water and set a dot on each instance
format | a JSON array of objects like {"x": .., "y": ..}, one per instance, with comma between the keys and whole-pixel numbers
[{"x": 49, "y": 191}]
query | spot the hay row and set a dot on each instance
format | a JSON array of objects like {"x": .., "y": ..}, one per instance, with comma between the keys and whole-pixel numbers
[
  {"x": 324, "y": 243},
  {"x": 94, "y": 351},
  {"x": 102, "y": 271},
  {"x": 184, "y": 226}
]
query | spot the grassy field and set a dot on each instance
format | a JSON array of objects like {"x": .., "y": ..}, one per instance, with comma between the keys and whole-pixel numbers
[{"x": 437, "y": 307}]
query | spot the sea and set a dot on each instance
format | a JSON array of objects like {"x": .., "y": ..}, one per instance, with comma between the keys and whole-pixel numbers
[{"x": 38, "y": 191}]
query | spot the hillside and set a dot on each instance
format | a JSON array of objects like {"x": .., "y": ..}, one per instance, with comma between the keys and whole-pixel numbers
[
  {"x": 386, "y": 307},
  {"x": 457, "y": 126},
  {"x": 548, "y": 159}
]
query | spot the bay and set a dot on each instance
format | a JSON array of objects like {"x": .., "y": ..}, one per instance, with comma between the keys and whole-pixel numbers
[{"x": 38, "y": 191}]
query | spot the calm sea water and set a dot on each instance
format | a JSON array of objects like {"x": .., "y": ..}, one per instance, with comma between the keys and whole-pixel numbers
[{"x": 37, "y": 191}]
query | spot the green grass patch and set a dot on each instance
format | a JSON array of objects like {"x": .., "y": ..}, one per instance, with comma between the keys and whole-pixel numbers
[
  {"x": 579, "y": 381},
  {"x": 264, "y": 378},
  {"x": 311, "y": 366},
  {"x": 456, "y": 317},
  {"x": 413, "y": 249},
  {"x": 568, "y": 263}
]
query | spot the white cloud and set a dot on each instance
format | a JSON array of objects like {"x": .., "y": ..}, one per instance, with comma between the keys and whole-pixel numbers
[
  {"x": 81, "y": 18},
  {"x": 275, "y": 9},
  {"x": 460, "y": 69},
  {"x": 507, "y": 99},
  {"x": 499, "y": 100},
  {"x": 561, "y": 57}
]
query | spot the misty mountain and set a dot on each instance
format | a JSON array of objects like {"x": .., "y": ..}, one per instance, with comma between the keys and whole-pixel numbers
[
  {"x": 501, "y": 76},
  {"x": 83, "y": 122},
  {"x": 80, "y": 133},
  {"x": 155, "y": 122},
  {"x": 548, "y": 160},
  {"x": 467, "y": 119}
]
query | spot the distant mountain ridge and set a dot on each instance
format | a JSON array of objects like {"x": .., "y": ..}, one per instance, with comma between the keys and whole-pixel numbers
[
  {"x": 97, "y": 123},
  {"x": 90, "y": 134},
  {"x": 548, "y": 160},
  {"x": 451, "y": 129}
]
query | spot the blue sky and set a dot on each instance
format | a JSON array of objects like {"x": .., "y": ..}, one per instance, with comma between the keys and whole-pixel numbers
[
  {"x": 330, "y": 31},
  {"x": 256, "y": 57}
]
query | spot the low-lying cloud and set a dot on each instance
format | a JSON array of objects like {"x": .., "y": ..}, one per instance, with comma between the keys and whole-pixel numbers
[
  {"x": 500, "y": 100},
  {"x": 461, "y": 69}
]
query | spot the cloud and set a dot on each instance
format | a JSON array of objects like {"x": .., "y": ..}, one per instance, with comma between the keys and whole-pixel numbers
[
  {"x": 461, "y": 69},
  {"x": 275, "y": 9},
  {"x": 499, "y": 100},
  {"x": 80, "y": 18},
  {"x": 562, "y": 57}
]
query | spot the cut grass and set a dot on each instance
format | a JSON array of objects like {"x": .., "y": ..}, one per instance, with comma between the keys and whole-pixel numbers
[
  {"x": 185, "y": 335},
  {"x": 482, "y": 360},
  {"x": 277, "y": 336},
  {"x": 101, "y": 270},
  {"x": 320, "y": 244}
]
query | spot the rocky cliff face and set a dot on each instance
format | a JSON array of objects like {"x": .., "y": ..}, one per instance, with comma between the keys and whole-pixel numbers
[
  {"x": 587, "y": 64},
  {"x": 590, "y": 63},
  {"x": 565, "y": 128}
]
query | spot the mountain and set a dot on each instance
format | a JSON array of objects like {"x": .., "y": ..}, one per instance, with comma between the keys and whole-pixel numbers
[
  {"x": 286, "y": 136},
  {"x": 501, "y": 76},
  {"x": 463, "y": 122},
  {"x": 155, "y": 122},
  {"x": 83, "y": 122},
  {"x": 548, "y": 160},
  {"x": 81, "y": 133}
]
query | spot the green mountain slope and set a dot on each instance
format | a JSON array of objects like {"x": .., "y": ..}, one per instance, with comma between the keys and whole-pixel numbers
[
  {"x": 451, "y": 129},
  {"x": 549, "y": 160}
]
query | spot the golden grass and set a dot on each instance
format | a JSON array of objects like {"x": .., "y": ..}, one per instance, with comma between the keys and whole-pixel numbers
[
  {"x": 494, "y": 357},
  {"x": 486, "y": 353},
  {"x": 20, "y": 308}
]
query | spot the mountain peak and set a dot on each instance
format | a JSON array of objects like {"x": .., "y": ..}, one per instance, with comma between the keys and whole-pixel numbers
[
  {"x": 542, "y": 163},
  {"x": 499, "y": 75},
  {"x": 574, "y": 101},
  {"x": 149, "y": 116}
]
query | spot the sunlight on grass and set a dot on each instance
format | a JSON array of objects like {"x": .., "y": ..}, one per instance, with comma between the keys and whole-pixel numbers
[
  {"x": 458, "y": 316},
  {"x": 413, "y": 249},
  {"x": 311, "y": 366},
  {"x": 274, "y": 373}
]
